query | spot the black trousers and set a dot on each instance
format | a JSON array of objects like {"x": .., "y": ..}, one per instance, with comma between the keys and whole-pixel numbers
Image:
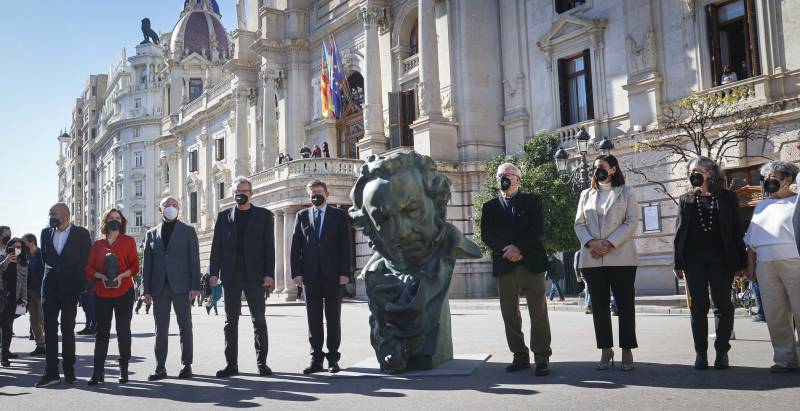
[
  {"x": 54, "y": 304},
  {"x": 324, "y": 298},
  {"x": 7, "y": 324},
  {"x": 233, "y": 308},
  {"x": 120, "y": 308},
  {"x": 620, "y": 280},
  {"x": 704, "y": 272}
]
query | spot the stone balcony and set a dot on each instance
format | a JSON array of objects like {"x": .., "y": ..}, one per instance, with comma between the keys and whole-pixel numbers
[{"x": 210, "y": 99}]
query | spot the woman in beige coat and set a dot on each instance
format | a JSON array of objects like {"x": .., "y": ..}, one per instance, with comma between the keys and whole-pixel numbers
[{"x": 607, "y": 218}]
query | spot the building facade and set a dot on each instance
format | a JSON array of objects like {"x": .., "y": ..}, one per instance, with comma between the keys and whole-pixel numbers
[{"x": 458, "y": 80}]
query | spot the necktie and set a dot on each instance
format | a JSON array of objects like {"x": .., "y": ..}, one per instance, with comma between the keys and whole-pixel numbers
[{"x": 318, "y": 223}]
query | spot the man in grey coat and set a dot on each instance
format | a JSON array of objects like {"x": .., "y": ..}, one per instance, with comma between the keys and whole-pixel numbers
[{"x": 171, "y": 278}]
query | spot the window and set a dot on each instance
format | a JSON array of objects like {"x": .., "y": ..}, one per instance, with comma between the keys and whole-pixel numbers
[
  {"x": 94, "y": 133},
  {"x": 566, "y": 5},
  {"x": 575, "y": 89},
  {"x": 119, "y": 191},
  {"x": 138, "y": 188},
  {"x": 138, "y": 219},
  {"x": 402, "y": 112},
  {"x": 733, "y": 41},
  {"x": 219, "y": 148},
  {"x": 193, "y": 207},
  {"x": 143, "y": 75},
  {"x": 195, "y": 88},
  {"x": 138, "y": 159},
  {"x": 221, "y": 190},
  {"x": 137, "y": 103},
  {"x": 136, "y": 132},
  {"x": 412, "y": 41},
  {"x": 193, "y": 160}
]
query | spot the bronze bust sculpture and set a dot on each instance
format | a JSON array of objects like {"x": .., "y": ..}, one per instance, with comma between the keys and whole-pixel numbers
[{"x": 401, "y": 203}]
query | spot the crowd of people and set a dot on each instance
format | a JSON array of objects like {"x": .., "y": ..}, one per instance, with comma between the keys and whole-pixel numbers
[{"x": 49, "y": 276}]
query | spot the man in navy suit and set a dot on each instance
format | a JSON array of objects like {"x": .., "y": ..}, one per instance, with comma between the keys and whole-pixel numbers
[
  {"x": 243, "y": 259},
  {"x": 321, "y": 265},
  {"x": 65, "y": 252}
]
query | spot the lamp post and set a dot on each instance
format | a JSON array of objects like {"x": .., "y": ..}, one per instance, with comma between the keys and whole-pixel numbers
[{"x": 578, "y": 179}]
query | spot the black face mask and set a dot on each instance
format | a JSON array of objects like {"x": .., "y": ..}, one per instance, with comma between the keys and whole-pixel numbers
[
  {"x": 54, "y": 222},
  {"x": 696, "y": 179},
  {"x": 505, "y": 183},
  {"x": 317, "y": 199},
  {"x": 5, "y": 240},
  {"x": 113, "y": 225},
  {"x": 241, "y": 199},
  {"x": 601, "y": 175},
  {"x": 771, "y": 185}
]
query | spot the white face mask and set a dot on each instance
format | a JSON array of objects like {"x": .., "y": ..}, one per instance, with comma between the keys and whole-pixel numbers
[
  {"x": 17, "y": 251},
  {"x": 170, "y": 213}
]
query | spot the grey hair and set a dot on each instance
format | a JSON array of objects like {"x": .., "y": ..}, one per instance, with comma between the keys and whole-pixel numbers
[
  {"x": 717, "y": 181},
  {"x": 783, "y": 168},
  {"x": 164, "y": 200},
  {"x": 241, "y": 179},
  {"x": 514, "y": 168},
  {"x": 62, "y": 206}
]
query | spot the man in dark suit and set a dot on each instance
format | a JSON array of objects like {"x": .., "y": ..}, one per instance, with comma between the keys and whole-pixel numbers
[
  {"x": 243, "y": 259},
  {"x": 171, "y": 278},
  {"x": 65, "y": 252},
  {"x": 321, "y": 265},
  {"x": 512, "y": 227}
]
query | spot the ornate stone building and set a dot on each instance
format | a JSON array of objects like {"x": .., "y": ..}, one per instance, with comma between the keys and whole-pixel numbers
[{"x": 459, "y": 80}]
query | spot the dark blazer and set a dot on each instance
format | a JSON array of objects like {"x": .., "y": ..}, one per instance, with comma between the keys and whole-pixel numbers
[
  {"x": 323, "y": 259},
  {"x": 525, "y": 232},
  {"x": 178, "y": 263},
  {"x": 259, "y": 246},
  {"x": 730, "y": 228},
  {"x": 64, "y": 274}
]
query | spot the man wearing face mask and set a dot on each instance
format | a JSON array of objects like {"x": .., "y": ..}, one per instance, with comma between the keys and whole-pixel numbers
[
  {"x": 171, "y": 278},
  {"x": 243, "y": 260},
  {"x": 321, "y": 265},
  {"x": 65, "y": 252},
  {"x": 512, "y": 227}
]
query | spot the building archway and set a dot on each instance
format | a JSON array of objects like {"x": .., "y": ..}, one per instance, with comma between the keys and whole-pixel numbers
[{"x": 350, "y": 126}]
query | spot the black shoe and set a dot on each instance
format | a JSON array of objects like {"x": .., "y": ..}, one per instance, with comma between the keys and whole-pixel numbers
[
  {"x": 48, "y": 380},
  {"x": 30, "y": 337},
  {"x": 208, "y": 310},
  {"x": 69, "y": 377},
  {"x": 37, "y": 352},
  {"x": 186, "y": 372},
  {"x": 96, "y": 379},
  {"x": 228, "y": 371},
  {"x": 777, "y": 369},
  {"x": 542, "y": 369},
  {"x": 721, "y": 363},
  {"x": 5, "y": 363},
  {"x": 123, "y": 373},
  {"x": 701, "y": 361},
  {"x": 518, "y": 365},
  {"x": 84, "y": 331},
  {"x": 160, "y": 374},
  {"x": 10, "y": 356},
  {"x": 316, "y": 366},
  {"x": 333, "y": 367},
  {"x": 264, "y": 371}
]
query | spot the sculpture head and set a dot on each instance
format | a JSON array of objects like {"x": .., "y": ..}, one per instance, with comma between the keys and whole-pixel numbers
[
  {"x": 145, "y": 23},
  {"x": 401, "y": 203}
]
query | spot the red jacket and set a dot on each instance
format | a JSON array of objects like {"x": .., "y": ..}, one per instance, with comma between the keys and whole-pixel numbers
[{"x": 127, "y": 258}]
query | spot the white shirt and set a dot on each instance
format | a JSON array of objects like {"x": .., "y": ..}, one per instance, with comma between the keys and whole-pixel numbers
[
  {"x": 603, "y": 195},
  {"x": 60, "y": 238},
  {"x": 771, "y": 232}
]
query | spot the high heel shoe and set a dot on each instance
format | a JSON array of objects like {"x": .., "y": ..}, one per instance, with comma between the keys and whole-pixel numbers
[
  {"x": 627, "y": 365},
  {"x": 606, "y": 359}
]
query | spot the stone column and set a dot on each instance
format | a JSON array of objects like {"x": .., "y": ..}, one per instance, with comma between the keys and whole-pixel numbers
[
  {"x": 280, "y": 281},
  {"x": 290, "y": 290},
  {"x": 269, "y": 123},
  {"x": 374, "y": 140},
  {"x": 240, "y": 153}
]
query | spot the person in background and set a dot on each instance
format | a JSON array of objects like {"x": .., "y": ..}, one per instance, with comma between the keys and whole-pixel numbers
[
  {"x": 728, "y": 75},
  {"x": 759, "y": 317},
  {"x": 113, "y": 261},
  {"x": 606, "y": 221},
  {"x": 709, "y": 251},
  {"x": 587, "y": 296},
  {"x": 87, "y": 301},
  {"x": 14, "y": 269},
  {"x": 35, "y": 274},
  {"x": 774, "y": 261},
  {"x": 140, "y": 296},
  {"x": 555, "y": 273}
]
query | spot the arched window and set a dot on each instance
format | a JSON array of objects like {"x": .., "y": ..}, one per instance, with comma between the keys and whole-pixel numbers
[{"x": 412, "y": 41}]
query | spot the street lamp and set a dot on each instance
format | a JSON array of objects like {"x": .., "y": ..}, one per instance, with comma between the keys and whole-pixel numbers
[
  {"x": 582, "y": 141},
  {"x": 561, "y": 160},
  {"x": 605, "y": 147},
  {"x": 578, "y": 179}
]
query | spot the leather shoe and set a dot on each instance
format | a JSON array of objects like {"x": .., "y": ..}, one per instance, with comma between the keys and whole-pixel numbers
[
  {"x": 5, "y": 363},
  {"x": 316, "y": 366},
  {"x": 48, "y": 380},
  {"x": 333, "y": 367},
  {"x": 518, "y": 365},
  {"x": 542, "y": 369},
  {"x": 96, "y": 379},
  {"x": 264, "y": 371},
  {"x": 701, "y": 361},
  {"x": 228, "y": 371},
  {"x": 721, "y": 362},
  {"x": 69, "y": 377},
  {"x": 158, "y": 374},
  {"x": 37, "y": 352},
  {"x": 186, "y": 372}
]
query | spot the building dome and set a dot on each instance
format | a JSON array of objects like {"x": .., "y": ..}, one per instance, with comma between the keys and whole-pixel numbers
[{"x": 200, "y": 31}]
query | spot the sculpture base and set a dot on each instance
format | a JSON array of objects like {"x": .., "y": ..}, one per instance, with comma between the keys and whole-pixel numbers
[{"x": 460, "y": 365}]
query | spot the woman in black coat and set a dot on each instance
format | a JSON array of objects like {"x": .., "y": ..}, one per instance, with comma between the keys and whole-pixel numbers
[
  {"x": 14, "y": 278},
  {"x": 709, "y": 252}
]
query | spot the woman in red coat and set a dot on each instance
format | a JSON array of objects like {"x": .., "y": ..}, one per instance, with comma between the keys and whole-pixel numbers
[{"x": 113, "y": 261}]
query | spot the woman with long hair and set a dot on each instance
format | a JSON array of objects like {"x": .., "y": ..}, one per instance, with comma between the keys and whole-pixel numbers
[
  {"x": 113, "y": 261},
  {"x": 14, "y": 289},
  {"x": 605, "y": 223}
]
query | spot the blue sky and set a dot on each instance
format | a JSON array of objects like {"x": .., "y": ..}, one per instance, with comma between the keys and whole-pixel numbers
[{"x": 48, "y": 49}]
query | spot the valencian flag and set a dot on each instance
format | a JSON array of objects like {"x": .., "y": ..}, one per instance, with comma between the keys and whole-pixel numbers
[{"x": 325, "y": 87}]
